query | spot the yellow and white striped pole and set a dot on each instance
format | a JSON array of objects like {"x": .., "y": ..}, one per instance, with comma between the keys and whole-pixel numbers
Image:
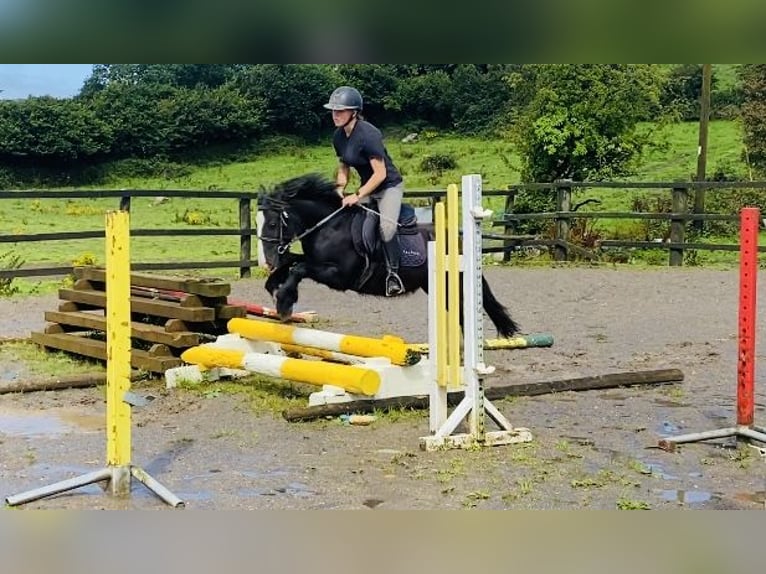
[
  {"x": 351, "y": 378},
  {"x": 390, "y": 347}
]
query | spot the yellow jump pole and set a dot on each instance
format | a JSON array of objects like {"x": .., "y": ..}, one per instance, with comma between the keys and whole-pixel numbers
[
  {"x": 454, "y": 379},
  {"x": 118, "y": 427},
  {"x": 388, "y": 346}
]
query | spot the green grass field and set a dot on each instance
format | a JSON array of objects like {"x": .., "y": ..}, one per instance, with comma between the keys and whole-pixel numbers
[{"x": 495, "y": 160}]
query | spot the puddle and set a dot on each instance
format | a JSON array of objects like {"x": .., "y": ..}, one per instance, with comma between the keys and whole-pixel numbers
[
  {"x": 686, "y": 496},
  {"x": 51, "y": 422},
  {"x": 668, "y": 428},
  {"x": 196, "y": 496},
  {"x": 718, "y": 415},
  {"x": 658, "y": 471},
  {"x": 295, "y": 489},
  {"x": 10, "y": 374}
]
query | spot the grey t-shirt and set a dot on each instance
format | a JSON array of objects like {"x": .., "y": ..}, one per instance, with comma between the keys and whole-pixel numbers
[{"x": 356, "y": 150}]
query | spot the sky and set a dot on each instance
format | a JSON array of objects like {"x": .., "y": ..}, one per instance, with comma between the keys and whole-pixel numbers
[{"x": 57, "y": 80}]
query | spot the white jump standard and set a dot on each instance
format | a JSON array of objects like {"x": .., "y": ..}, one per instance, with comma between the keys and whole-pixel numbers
[{"x": 443, "y": 333}]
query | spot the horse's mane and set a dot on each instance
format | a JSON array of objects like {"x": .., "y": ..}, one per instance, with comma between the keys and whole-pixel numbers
[{"x": 311, "y": 187}]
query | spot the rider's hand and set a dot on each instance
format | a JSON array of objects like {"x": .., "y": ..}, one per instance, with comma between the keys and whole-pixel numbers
[{"x": 351, "y": 199}]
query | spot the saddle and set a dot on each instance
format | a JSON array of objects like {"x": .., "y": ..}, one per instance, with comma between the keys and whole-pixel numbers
[{"x": 365, "y": 231}]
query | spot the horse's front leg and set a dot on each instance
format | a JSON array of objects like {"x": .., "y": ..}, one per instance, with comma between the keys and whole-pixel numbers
[
  {"x": 286, "y": 295},
  {"x": 279, "y": 274}
]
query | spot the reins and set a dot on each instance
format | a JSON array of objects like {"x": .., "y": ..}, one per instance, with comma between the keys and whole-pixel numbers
[{"x": 283, "y": 247}]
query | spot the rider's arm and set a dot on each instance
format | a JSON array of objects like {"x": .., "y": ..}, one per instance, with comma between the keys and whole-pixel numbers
[
  {"x": 378, "y": 176},
  {"x": 341, "y": 178}
]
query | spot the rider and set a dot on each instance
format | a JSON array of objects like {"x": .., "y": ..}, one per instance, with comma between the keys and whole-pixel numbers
[{"x": 359, "y": 144}]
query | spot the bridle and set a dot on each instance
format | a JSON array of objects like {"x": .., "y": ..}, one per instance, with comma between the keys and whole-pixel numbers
[{"x": 282, "y": 245}]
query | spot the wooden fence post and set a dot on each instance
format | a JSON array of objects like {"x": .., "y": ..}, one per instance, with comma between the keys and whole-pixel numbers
[
  {"x": 563, "y": 205},
  {"x": 677, "y": 226},
  {"x": 508, "y": 228},
  {"x": 245, "y": 226}
]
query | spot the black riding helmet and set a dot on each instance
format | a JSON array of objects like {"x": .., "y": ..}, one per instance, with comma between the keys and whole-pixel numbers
[{"x": 345, "y": 98}]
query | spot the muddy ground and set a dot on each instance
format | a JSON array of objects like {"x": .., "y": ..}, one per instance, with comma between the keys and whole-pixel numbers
[{"x": 593, "y": 449}]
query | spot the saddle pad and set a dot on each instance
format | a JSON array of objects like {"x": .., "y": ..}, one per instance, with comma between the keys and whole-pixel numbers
[
  {"x": 364, "y": 230},
  {"x": 414, "y": 250}
]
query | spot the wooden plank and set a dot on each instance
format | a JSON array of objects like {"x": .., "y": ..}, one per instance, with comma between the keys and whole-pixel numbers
[
  {"x": 660, "y": 376},
  {"x": 97, "y": 350},
  {"x": 227, "y": 312},
  {"x": 97, "y": 299},
  {"x": 73, "y": 320},
  {"x": 63, "y": 382},
  {"x": 54, "y": 383},
  {"x": 204, "y": 287},
  {"x": 223, "y": 310}
]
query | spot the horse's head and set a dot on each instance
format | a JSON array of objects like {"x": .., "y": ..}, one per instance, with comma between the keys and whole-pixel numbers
[{"x": 291, "y": 208}]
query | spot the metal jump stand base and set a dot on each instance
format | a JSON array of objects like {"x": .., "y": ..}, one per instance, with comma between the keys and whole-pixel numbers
[
  {"x": 119, "y": 478},
  {"x": 747, "y": 432},
  {"x": 473, "y": 410}
]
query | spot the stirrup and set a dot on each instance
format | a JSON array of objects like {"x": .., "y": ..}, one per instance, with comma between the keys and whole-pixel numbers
[{"x": 394, "y": 285}]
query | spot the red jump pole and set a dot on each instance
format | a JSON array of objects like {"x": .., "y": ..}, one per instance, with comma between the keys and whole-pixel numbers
[
  {"x": 748, "y": 278},
  {"x": 748, "y": 273}
]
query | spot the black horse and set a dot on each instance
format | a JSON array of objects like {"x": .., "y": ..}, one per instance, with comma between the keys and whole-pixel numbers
[{"x": 341, "y": 248}]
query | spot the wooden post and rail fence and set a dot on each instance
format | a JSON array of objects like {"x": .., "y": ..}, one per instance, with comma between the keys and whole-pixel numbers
[{"x": 557, "y": 239}]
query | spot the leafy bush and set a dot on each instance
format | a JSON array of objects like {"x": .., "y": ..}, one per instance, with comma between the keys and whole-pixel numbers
[
  {"x": 437, "y": 162},
  {"x": 436, "y": 165},
  {"x": 9, "y": 260},
  {"x": 194, "y": 217}
]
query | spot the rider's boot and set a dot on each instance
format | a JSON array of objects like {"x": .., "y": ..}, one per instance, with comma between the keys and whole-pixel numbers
[{"x": 391, "y": 251}]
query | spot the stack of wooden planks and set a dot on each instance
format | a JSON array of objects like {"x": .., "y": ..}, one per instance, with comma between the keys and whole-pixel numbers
[{"x": 162, "y": 326}]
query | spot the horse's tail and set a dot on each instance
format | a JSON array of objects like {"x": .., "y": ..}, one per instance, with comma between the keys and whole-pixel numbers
[{"x": 498, "y": 314}]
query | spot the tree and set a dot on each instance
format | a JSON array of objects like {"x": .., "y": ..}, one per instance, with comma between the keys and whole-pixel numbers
[
  {"x": 683, "y": 90},
  {"x": 581, "y": 120},
  {"x": 293, "y": 95},
  {"x": 753, "y": 79},
  {"x": 178, "y": 75}
]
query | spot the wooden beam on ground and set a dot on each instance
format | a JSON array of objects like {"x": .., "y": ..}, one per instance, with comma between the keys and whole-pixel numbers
[
  {"x": 58, "y": 383},
  {"x": 622, "y": 379}
]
